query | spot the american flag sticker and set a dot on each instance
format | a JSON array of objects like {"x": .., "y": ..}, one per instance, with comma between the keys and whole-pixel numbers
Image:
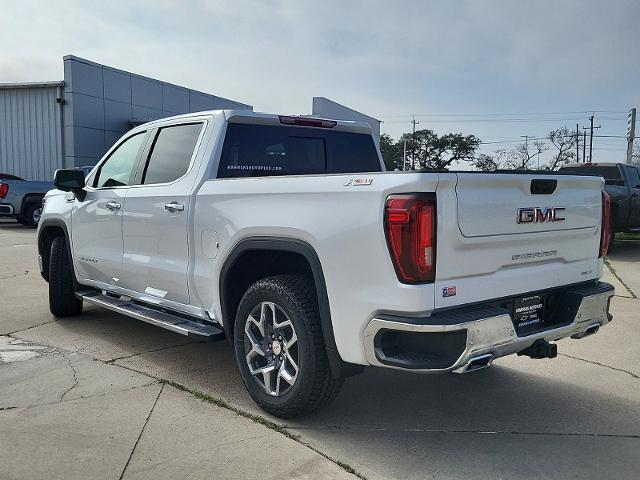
[{"x": 448, "y": 291}]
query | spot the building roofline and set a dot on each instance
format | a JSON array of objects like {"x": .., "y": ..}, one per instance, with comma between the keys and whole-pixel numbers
[
  {"x": 145, "y": 77},
  {"x": 6, "y": 86}
]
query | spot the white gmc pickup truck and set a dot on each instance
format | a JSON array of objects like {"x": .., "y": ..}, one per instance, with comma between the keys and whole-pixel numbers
[{"x": 285, "y": 235}]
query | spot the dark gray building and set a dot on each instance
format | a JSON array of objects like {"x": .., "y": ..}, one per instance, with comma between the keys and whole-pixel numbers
[{"x": 49, "y": 125}]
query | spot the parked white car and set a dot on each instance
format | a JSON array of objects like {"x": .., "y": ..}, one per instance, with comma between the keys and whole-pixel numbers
[{"x": 284, "y": 235}]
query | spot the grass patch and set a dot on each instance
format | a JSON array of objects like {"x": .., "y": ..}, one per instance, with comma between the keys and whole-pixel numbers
[{"x": 627, "y": 236}]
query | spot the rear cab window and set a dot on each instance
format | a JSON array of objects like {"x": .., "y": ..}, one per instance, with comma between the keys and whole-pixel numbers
[
  {"x": 270, "y": 150},
  {"x": 610, "y": 173},
  {"x": 634, "y": 176}
]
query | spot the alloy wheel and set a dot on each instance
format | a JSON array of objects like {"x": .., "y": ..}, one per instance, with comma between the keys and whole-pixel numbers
[
  {"x": 37, "y": 213},
  {"x": 271, "y": 348}
]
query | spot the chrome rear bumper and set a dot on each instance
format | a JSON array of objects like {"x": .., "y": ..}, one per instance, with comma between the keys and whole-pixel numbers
[{"x": 490, "y": 332}]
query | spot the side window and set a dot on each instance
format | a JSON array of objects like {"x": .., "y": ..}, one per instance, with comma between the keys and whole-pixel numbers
[
  {"x": 118, "y": 169},
  {"x": 634, "y": 177},
  {"x": 171, "y": 153}
]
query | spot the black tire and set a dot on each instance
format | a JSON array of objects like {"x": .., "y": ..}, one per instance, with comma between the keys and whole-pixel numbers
[
  {"x": 31, "y": 216},
  {"x": 62, "y": 299},
  {"x": 20, "y": 220},
  {"x": 314, "y": 386}
]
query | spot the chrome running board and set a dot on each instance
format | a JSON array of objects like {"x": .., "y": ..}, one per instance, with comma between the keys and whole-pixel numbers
[{"x": 182, "y": 324}]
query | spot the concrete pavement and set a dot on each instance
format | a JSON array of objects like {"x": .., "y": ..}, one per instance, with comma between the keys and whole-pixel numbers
[
  {"x": 577, "y": 416},
  {"x": 67, "y": 415}
]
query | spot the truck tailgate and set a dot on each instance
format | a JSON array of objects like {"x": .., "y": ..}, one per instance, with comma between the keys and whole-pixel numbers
[
  {"x": 514, "y": 234},
  {"x": 490, "y": 204}
]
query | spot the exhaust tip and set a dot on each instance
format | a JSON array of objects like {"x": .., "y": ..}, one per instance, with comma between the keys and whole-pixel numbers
[
  {"x": 590, "y": 330},
  {"x": 478, "y": 363}
]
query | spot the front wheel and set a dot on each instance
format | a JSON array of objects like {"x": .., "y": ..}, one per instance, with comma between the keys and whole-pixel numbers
[
  {"x": 62, "y": 298},
  {"x": 280, "y": 349}
]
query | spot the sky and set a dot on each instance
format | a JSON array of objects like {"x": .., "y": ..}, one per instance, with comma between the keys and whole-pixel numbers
[{"x": 497, "y": 69}]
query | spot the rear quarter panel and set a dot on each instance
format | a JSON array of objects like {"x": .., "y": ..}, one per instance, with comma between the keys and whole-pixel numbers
[{"x": 342, "y": 223}]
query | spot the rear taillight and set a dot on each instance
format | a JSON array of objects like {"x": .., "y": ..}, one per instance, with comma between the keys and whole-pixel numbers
[
  {"x": 4, "y": 189},
  {"x": 605, "y": 235},
  {"x": 410, "y": 227}
]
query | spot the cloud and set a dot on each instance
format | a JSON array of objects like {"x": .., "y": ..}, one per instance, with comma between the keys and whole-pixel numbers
[{"x": 381, "y": 57}]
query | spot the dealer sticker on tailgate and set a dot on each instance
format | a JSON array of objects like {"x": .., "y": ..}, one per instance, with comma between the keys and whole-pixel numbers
[{"x": 527, "y": 312}]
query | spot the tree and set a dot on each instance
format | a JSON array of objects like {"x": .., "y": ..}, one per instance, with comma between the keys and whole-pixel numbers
[
  {"x": 565, "y": 142},
  {"x": 521, "y": 157},
  {"x": 431, "y": 151},
  {"x": 485, "y": 163},
  {"x": 392, "y": 152},
  {"x": 635, "y": 153}
]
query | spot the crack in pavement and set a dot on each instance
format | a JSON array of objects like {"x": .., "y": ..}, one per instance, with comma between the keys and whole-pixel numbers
[
  {"x": 593, "y": 362},
  {"x": 615, "y": 274},
  {"x": 26, "y": 272},
  {"x": 75, "y": 378},
  {"x": 92, "y": 396},
  {"x": 11, "y": 334},
  {"x": 271, "y": 425},
  {"x": 198, "y": 451},
  {"x": 142, "y": 431},
  {"x": 111, "y": 361},
  {"x": 462, "y": 431}
]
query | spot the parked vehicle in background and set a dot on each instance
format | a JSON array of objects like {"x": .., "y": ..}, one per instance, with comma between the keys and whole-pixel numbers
[
  {"x": 284, "y": 235},
  {"x": 622, "y": 183},
  {"x": 22, "y": 199},
  {"x": 8, "y": 176}
]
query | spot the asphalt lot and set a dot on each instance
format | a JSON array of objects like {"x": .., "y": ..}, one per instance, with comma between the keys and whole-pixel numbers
[{"x": 89, "y": 397}]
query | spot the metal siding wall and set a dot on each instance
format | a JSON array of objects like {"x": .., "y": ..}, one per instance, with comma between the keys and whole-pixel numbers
[
  {"x": 30, "y": 132},
  {"x": 100, "y": 102}
]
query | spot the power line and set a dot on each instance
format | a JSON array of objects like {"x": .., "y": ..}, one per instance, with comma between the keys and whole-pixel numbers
[
  {"x": 496, "y": 142},
  {"x": 509, "y": 120},
  {"x": 501, "y": 114}
]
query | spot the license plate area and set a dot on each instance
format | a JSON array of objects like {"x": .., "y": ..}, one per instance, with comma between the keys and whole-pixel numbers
[{"x": 528, "y": 314}]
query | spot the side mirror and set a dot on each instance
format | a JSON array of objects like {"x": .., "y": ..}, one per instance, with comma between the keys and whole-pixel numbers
[{"x": 70, "y": 181}]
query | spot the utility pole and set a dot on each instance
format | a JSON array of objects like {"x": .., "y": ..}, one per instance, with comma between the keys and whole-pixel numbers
[
  {"x": 577, "y": 144},
  {"x": 631, "y": 133},
  {"x": 584, "y": 145},
  {"x": 404, "y": 156},
  {"x": 591, "y": 127},
  {"x": 413, "y": 144}
]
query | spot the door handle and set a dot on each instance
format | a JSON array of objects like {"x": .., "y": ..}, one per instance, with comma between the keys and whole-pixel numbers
[
  {"x": 174, "y": 207},
  {"x": 113, "y": 205}
]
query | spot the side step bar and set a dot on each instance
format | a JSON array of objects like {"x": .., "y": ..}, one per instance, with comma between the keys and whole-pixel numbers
[{"x": 169, "y": 321}]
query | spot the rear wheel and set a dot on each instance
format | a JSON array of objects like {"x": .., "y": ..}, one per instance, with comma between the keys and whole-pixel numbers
[
  {"x": 280, "y": 349},
  {"x": 62, "y": 299}
]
